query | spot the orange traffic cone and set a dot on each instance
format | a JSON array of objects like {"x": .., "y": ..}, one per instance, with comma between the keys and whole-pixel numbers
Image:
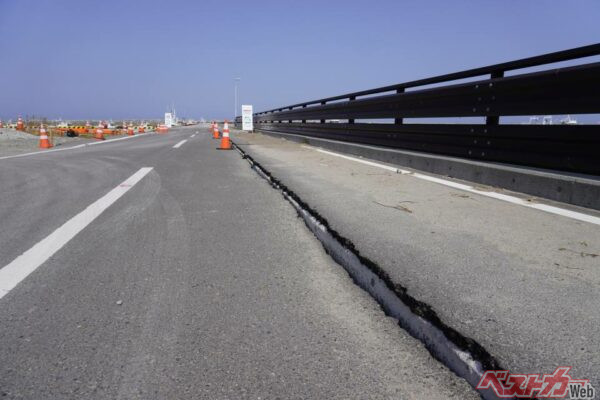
[
  {"x": 87, "y": 127},
  {"x": 141, "y": 129},
  {"x": 20, "y": 125},
  {"x": 130, "y": 130},
  {"x": 225, "y": 142},
  {"x": 44, "y": 141},
  {"x": 99, "y": 133},
  {"x": 1, "y": 126},
  {"x": 216, "y": 131}
]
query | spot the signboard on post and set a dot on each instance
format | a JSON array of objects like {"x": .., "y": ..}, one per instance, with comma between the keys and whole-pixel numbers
[
  {"x": 168, "y": 120},
  {"x": 247, "y": 123}
]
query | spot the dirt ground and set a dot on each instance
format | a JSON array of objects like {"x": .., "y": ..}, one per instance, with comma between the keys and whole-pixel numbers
[{"x": 14, "y": 142}]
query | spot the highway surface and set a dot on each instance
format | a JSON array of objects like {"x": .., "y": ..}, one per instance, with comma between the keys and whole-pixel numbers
[
  {"x": 160, "y": 268},
  {"x": 522, "y": 282}
]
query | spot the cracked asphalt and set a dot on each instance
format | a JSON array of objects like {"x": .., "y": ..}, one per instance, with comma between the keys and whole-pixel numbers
[{"x": 199, "y": 283}]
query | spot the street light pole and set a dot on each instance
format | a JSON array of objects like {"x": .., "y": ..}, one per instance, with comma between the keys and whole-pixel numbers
[{"x": 235, "y": 80}]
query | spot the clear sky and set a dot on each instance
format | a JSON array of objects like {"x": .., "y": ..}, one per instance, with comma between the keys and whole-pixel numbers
[{"x": 131, "y": 59}]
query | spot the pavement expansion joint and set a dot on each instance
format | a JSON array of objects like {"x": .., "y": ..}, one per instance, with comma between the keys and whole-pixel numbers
[{"x": 461, "y": 354}]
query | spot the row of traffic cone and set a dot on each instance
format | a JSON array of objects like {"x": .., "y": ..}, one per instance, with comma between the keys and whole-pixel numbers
[
  {"x": 98, "y": 134},
  {"x": 20, "y": 124},
  {"x": 225, "y": 142}
]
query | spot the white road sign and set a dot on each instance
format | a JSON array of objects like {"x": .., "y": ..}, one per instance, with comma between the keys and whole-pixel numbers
[
  {"x": 247, "y": 124},
  {"x": 168, "y": 120}
]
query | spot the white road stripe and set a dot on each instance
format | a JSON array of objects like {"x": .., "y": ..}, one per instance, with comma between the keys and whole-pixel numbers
[
  {"x": 193, "y": 135},
  {"x": 360, "y": 160},
  {"x": 460, "y": 186},
  {"x": 26, "y": 263},
  {"x": 178, "y": 145},
  {"x": 74, "y": 147},
  {"x": 117, "y": 139}
]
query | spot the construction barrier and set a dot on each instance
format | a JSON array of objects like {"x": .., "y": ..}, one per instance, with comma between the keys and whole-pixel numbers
[{"x": 77, "y": 129}]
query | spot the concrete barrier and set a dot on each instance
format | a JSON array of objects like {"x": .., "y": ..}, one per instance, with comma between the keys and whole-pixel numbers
[{"x": 576, "y": 189}]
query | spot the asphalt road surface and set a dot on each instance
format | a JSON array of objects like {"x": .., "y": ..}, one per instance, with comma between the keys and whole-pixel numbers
[
  {"x": 135, "y": 270},
  {"x": 523, "y": 283}
]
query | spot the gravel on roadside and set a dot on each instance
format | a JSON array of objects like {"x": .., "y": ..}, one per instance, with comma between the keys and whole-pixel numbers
[{"x": 15, "y": 142}]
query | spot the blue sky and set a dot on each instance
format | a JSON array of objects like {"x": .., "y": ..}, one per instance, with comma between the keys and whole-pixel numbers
[{"x": 130, "y": 59}]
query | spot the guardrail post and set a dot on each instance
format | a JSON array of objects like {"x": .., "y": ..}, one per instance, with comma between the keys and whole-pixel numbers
[
  {"x": 399, "y": 121},
  {"x": 323, "y": 103},
  {"x": 494, "y": 119},
  {"x": 351, "y": 121}
]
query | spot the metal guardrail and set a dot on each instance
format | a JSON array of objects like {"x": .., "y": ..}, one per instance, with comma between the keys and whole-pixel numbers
[{"x": 568, "y": 90}]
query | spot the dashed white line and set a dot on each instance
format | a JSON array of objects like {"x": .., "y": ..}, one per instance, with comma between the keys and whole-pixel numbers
[
  {"x": 193, "y": 135},
  {"x": 13, "y": 273},
  {"x": 467, "y": 188},
  {"x": 178, "y": 145}
]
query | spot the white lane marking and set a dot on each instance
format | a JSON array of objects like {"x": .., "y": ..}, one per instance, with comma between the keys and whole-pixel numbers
[
  {"x": 117, "y": 139},
  {"x": 467, "y": 188},
  {"x": 193, "y": 135},
  {"x": 178, "y": 145},
  {"x": 26, "y": 263},
  {"x": 75, "y": 147},
  {"x": 360, "y": 160}
]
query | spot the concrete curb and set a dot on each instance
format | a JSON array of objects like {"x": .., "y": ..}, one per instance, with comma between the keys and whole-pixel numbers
[{"x": 578, "y": 190}]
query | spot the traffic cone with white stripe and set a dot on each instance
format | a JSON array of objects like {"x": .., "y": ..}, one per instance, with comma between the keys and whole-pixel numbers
[
  {"x": 225, "y": 142},
  {"x": 1, "y": 126},
  {"x": 44, "y": 141},
  {"x": 130, "y": 130},
  {"x": 99, "y": 134},
  {"x": 20, "y": 125},
  {"x": 216, "y": 131},
  {"x": 87, "y": 127}
]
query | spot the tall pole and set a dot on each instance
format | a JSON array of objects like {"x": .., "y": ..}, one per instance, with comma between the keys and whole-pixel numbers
[{"x": 235, "y": 80}]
